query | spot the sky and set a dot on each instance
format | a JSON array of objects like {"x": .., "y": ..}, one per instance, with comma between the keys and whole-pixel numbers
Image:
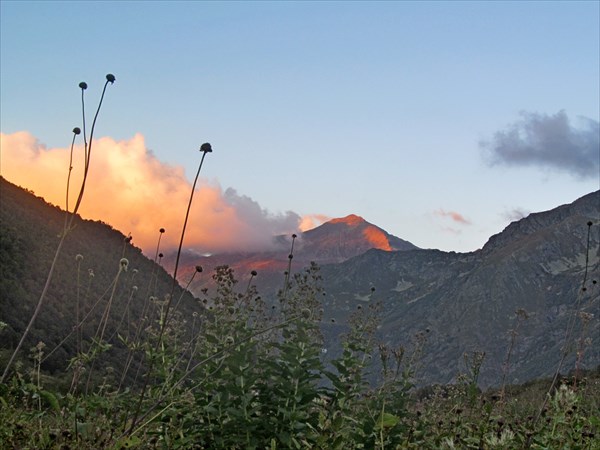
[{"x": 440, "y": 122}]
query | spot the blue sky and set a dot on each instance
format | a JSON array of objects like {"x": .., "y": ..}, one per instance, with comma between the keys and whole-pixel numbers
[{"x": 438, "y": 121}]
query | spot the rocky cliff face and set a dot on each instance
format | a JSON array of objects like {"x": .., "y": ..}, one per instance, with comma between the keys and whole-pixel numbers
[{"x": 469, "y": 302}]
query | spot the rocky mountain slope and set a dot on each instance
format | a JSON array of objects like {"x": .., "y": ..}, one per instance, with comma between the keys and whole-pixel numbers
[{"x": 469, "y": 302}]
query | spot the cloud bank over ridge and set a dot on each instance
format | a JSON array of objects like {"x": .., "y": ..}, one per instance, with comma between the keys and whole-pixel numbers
[{"x": 136, "y": 193}]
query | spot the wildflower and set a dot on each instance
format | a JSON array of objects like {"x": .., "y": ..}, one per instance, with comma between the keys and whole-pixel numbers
[
  {"x": 83, "y": 86},
  {"x": 79, "y": 257},
  {"x": 110, "y": 77},
  {"x": 77, "y": 130},
  {"x": 124, "y": 263}
]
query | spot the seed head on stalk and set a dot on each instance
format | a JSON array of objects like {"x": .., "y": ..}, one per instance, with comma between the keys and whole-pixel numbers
[
  {"x": 68, "y": 220},
  {"x": 204, "y": 148}
]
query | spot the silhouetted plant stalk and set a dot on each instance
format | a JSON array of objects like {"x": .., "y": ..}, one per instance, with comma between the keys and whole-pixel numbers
[
  {"x": 521, "y": 317},
  {"x": 569, "y": 331},
  {"x": 78, "y": 258},
  {"x": 204, "y": 148},
  {"x": 197, "y": 270},
  {"x": 99, "y": 337},
  {"x": 289, "y": 269},
  {"x": 135, "y": 343},
  {"x": 110, "y": 78}
]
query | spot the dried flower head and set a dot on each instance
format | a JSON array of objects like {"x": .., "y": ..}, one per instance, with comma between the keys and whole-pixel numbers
[
  {"x": 83, "y": 85},
  {"x": 585, "y": 316},
  {"x": 161, "y": 231},
  {"x": 229, "y": 340},
  {"x": 206, "y": 148},
  {"x": 253, "y": 273},
  {"x": 124, "y": 263},
  {"x": 306, "y": 313},
  {"x": 110, "y": 77},
  {"x": 78, "y": 257},
  {"x": 198, "y": 269},
  {"x": 76, "y": 130}
]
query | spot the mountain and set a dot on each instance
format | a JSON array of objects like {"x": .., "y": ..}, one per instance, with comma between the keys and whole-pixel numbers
[
  {"x": 469, "y": 302},
  {"x": 30, "y": 230},
  {"x": 332, "y": 242},
  {"x": 456, "y": 303}
]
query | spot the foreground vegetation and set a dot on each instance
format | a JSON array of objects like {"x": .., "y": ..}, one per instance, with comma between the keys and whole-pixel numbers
[{"x": 253, "y": 375}]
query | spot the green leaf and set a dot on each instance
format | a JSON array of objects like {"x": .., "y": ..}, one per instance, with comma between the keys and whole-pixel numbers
[
  {"x": 50, "y": 400},
  {"x": 387, "y": 420}
]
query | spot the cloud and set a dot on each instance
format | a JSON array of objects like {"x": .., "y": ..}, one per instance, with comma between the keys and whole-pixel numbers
[
  {"x": 548, "y": 142},
  {"x": 312, "y": 221},
  {"x": 453, "y": 215},
  {"x": 135, "y": 192}
]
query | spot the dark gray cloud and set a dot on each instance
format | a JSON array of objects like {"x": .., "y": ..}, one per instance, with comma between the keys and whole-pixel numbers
[
  {"x": 260, "y": 225},
  {"x": 548, "y": 142}
]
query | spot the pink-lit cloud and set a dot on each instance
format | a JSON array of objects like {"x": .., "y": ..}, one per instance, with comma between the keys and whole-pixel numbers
[
  {"x": 136, "y": 193},
  {"x": 311, "y": 221},
  {"x": 453, "y": 215}
]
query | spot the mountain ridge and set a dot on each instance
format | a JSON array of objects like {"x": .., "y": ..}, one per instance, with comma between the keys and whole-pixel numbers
[{"x": 463, "y": 302}]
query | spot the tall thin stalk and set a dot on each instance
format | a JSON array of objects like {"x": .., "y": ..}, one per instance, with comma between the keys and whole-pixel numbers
[
  {"x": 67, "y": 227},
  {"x": 204, "y": 148},
  {"x": 286, "y": 282},
  {"x": 568, "y": 332}
]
